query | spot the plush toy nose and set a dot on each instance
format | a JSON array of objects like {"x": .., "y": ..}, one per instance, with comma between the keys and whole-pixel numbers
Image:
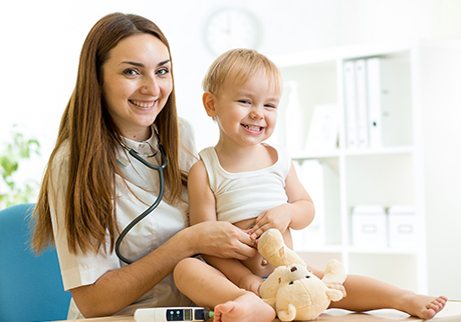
[{"x": 293, "y": 269}]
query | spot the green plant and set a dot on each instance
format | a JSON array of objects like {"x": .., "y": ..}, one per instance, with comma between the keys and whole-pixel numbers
[{"x": 12, "y": 154}]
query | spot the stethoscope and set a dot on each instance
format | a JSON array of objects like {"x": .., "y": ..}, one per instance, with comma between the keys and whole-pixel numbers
[{"x": 159, "y": 168}]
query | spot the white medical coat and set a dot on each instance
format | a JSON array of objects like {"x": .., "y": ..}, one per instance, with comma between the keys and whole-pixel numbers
[{"x": 141, "y": 183}]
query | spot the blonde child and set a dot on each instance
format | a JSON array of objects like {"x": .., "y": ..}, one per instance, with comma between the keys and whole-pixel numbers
[{"x": 253, "y": 185}]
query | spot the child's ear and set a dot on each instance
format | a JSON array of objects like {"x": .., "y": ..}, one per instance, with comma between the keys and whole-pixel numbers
[{"x": 208, "y": 100}]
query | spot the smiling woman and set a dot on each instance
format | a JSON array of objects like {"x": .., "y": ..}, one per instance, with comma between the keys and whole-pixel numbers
[
  {"x": 137, "y": 84},
  {"x": 94, "y": 186}
]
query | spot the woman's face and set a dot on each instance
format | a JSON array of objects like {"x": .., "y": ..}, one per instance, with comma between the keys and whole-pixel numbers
[{"x": 137, "y": 83}]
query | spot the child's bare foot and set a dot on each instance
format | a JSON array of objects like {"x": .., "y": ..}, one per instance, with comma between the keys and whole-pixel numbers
[
  {"x": 422, "y": 306},
  {"x": 246, "y": 308}
]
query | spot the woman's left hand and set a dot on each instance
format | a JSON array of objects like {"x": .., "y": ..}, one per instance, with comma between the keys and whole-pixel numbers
[{"x": 221, "y": 239}]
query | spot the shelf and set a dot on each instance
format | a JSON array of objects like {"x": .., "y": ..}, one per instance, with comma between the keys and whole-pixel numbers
[
  {"x": 337, "y": 249},
  {"x": 409, "y": 87},
  {"x": 381, "y": 251},
  {"x": 321, "y": 249},
  {"x": 381, "y": 151},
  {"x": 328, "y": 55},
  {"x": 317, "y": 155}
]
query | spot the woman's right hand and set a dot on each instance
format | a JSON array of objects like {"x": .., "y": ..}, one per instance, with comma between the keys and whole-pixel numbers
[{"x": 222, "y": 239}]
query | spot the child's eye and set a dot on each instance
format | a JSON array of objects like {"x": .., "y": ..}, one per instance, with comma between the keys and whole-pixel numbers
[{"x": 244, "y": 101}]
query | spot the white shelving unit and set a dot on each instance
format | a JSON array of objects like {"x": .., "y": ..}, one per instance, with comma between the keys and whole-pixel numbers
[{"x": 340, "y": 177}]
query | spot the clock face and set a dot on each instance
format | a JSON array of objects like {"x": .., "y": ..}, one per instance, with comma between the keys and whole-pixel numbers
[{"x": 230, "y": 28}]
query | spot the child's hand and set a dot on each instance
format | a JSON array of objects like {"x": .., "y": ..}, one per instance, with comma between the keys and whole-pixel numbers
[
  {"x": 337, "y": 286},
  {"x": 278, "y": 217}
]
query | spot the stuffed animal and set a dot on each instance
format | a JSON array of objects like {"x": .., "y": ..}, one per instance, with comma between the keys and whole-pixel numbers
[{"x": 291, "y": 289}]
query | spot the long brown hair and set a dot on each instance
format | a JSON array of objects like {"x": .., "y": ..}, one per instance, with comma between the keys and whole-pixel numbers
[{"x": 93, "y": 139}]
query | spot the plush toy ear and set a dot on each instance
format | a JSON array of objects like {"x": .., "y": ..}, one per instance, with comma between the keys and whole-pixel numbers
[
  {"x": 287, "y": 315},
  {"x": 269, "y": 288},
  {"x": 272, "y": 247}
]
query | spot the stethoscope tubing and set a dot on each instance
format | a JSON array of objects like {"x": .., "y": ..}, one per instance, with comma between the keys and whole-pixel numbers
[{"x": 159, "y": 168}]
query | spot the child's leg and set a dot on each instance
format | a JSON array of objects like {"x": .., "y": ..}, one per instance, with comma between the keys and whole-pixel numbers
[
  {"x": 365, "y": 293},
  {"x": 208, "y": 287}
]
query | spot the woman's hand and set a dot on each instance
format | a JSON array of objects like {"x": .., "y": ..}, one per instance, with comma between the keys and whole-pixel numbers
[{"x": 222, "y": 239}]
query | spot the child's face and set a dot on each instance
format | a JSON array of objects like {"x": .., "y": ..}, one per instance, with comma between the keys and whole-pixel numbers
[{"x": 247, "y": 113}]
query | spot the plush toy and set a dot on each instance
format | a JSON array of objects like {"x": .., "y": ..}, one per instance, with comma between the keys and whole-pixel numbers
[{"x": 291, "y": 289}]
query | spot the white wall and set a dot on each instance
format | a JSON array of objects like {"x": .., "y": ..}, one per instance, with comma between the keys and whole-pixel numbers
[
  {"x": 442, "y": 168},
  {"x": 41, "y": 42}
]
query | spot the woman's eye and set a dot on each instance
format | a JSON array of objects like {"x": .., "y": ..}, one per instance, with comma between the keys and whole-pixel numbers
[
  {"x": 163, "y": 71},
  {"x": 130, "y": 72}
]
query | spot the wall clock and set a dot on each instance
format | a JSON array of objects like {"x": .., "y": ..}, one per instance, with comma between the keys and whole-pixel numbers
[{"x": 232, "y": 27}]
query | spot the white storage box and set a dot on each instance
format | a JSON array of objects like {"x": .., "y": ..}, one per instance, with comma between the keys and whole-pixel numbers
[
  {"x": 369, "y": 226},
  {"x": 402, "y": 226}
]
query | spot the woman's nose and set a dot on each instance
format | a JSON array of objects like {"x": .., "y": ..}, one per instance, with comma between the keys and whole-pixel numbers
[{"x": 150, "y": 86}]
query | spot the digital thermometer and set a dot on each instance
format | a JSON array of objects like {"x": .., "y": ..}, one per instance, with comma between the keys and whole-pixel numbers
[{"x": 164, "y": 314}]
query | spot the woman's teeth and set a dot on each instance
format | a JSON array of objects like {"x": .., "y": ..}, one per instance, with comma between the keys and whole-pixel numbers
[{"x": 142, "y": 104}]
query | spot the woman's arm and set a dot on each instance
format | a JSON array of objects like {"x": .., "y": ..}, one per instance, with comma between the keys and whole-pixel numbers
[
  {"x": 119, "y": 288},
  {"x": 297, "y": 213}
]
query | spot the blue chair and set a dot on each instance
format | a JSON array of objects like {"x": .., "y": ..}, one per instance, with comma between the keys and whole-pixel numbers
[{"x": 30, "y": 286}]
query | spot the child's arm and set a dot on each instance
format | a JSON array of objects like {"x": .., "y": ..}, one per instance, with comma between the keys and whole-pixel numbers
[
  {"x": 297, "y": 213},
  {"x": 202, "y": 207}
]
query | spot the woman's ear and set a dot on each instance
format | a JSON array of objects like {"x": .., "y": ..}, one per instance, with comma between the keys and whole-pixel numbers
[{"x": 209, "y": 101}]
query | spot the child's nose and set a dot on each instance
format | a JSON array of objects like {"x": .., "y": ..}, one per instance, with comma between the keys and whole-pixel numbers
[{"x": 256, "y": 114}]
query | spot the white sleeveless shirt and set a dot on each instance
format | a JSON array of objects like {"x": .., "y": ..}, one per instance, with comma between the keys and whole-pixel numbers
[{"x": 245, "y": 195}]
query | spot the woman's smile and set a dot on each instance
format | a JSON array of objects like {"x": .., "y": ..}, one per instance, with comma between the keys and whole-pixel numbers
[{"x": 142, "y": 104}]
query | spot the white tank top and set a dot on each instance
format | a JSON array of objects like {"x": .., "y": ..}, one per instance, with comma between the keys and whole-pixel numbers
[{"x": 245, "y": 195}]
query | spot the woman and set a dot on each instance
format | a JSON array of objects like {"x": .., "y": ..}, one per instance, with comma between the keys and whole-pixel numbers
[{"x": 94, "y": 187}]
